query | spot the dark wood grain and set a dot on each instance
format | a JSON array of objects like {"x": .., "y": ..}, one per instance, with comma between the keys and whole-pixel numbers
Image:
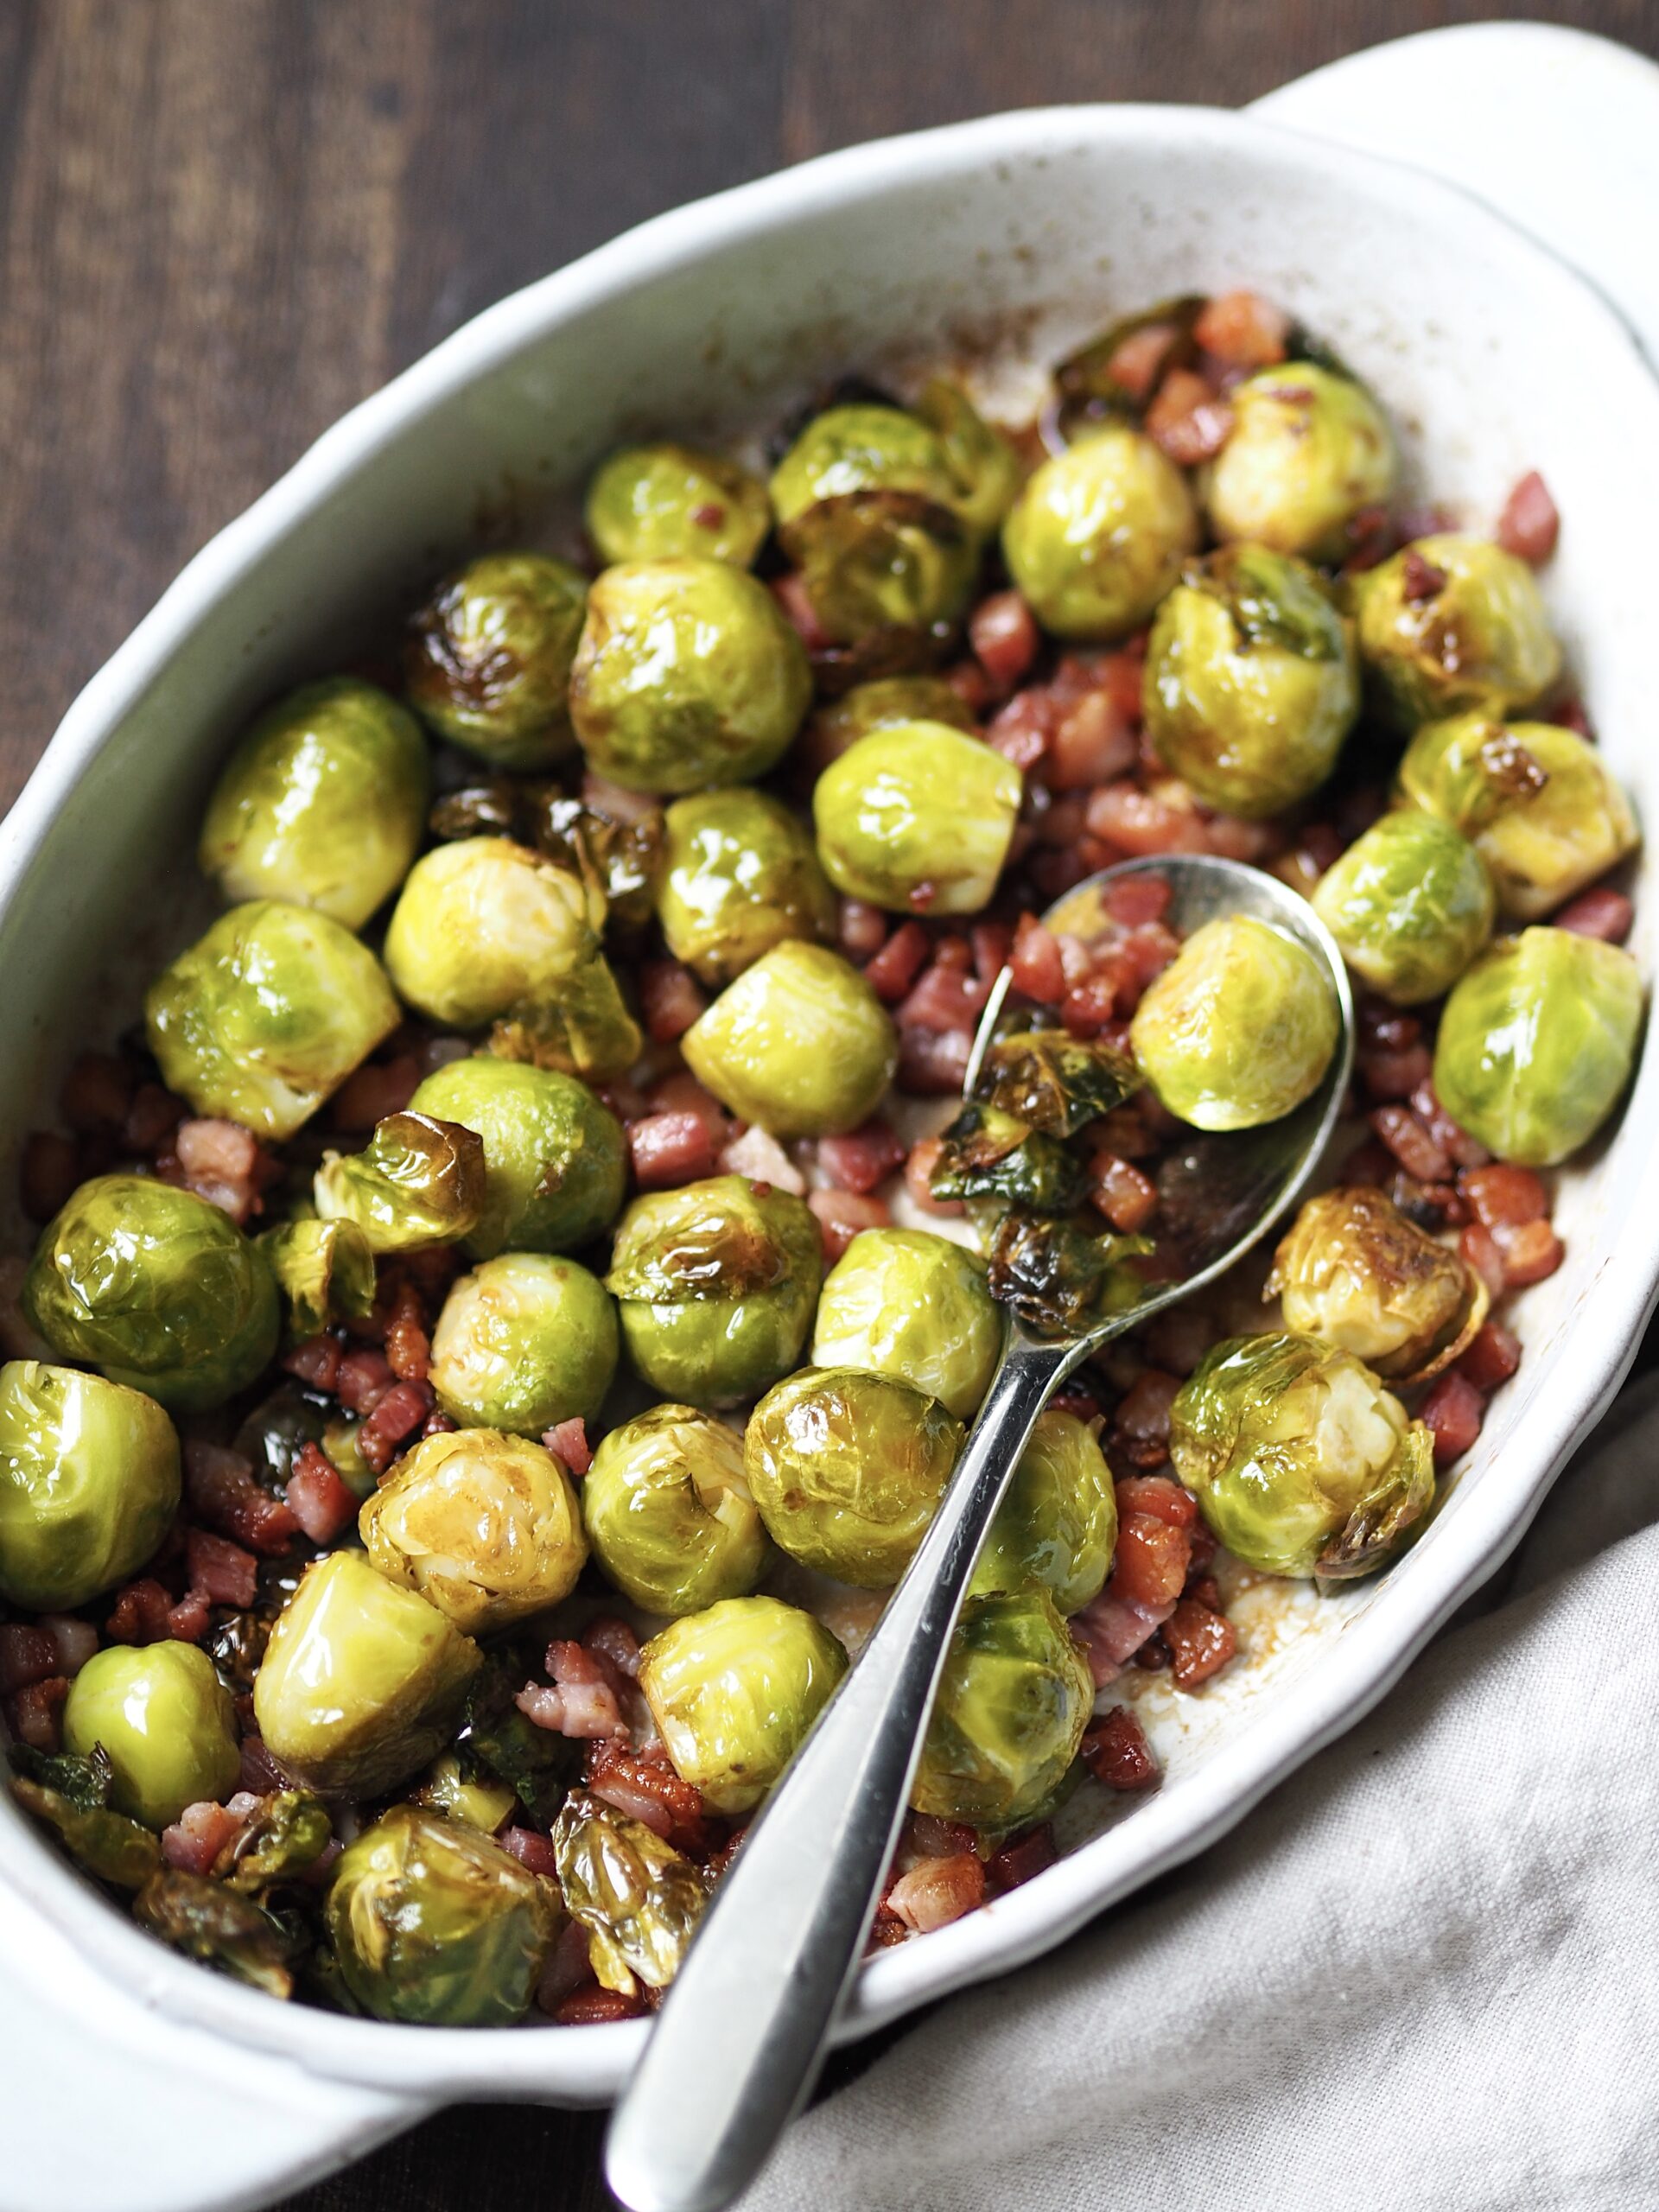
[{"x": 223, "y": 222}]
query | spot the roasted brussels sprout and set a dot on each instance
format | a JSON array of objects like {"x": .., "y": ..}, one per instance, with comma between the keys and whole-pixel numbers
[
  {"x": 905, "y": 1302},
  {"x": 880, "y": 703},
  {"x": 433, "y": 1923},
  {"x": 1251, "y": 682},
  {"x": 417, "y": 1182},
  {"x": 984, "y": 467},
  {"x": 464, "y": 1789},
  {"x": 554, "y": 1160},
  {"x": 716, "y": 1283},
  {"x": 582, "y": 1027},
  {"x": 862, "y": 446},
  {"x": 667, "y": 1509},
  {"x": 733, "y": 1691},
  {"x": 325, "y": 1271},
  {"x": 1536, "y": 1042},
  {"x": 658, "y": 502},
  {"x": 1356, "y": 1273},
  {"x": 362, "y": 1682},
  {"x": 1012, "y": 1703},
  {"x": 265, "y": 1015},
  {"x": 488, "y": 660},
  {"x": 525, "y": 1341},
  {"x": 638, "y": 1898},
  {"x": 321, "y": 804},
  {"x": 917, "y": 817},
  {"x": 741, "y": 876},
  {"x": 156, "y": 1287},
  {"x": 484, "y": 1525},
  {"x": 163, "y": 1721},
  {"x": 1301, "y": 1462},
  {"x": 1308, "y": 451},
  {"x": 1452, "y": 626},
  {"x": 1410, "y": 904},
  {"x": 485, "y": 928},
  {"x": 1057, "y": 1526},
  {"x": 688, "y": 675},
  {"x": 1239, "y": 1028},
  {"x": 1098, "y": 535},
  {"x": 847, "y": 1468},
  {"x": 798, "y": 1043},
  {"x": 1544, "y": 812},
  {"x": 89, "y": 1482}
]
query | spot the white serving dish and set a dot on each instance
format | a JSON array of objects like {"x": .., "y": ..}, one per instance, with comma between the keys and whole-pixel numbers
[{"x": 136, "y": 2080}]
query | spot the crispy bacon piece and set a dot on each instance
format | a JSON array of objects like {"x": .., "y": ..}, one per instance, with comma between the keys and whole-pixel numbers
[
  {"x": 1531, "y": 1250},
  {"x": 1038, "y": 969},
  {"x": 220, "y": 1161},
  {"x": 1115, "y": 1750},
  {"x": 316, "y": 1362},
  {"x": 222, "y": 1493},
  {"x": 669, "y": 1149},
  {"x": 597, "y": 2008},
  {"x": 221, "y": 1572},
  {"x": 760, "y": 1156},
  {"x": 408, "y": 1345},
  {"x": 200, "y": 1833},
  {"x": 27, "y": 1655},
  {"x": 898, "y": 963},
  {"x": 396, "y": 1415},
  {"x": 1242, "y": 330},
  {"x": 1453, "y": 1410},
  {"x": 1492, "y": 1358},
  {"x": 1600, "y": 912},
  {"x": 1530, "y": 521},
  {"x": 1201, "y": 1641},
  {"x": 1477, "y": 1247},
  {"x": 933, "y": 1062},
  {"x": 614, "y": 1642},
  {"x": 568, "y": 1441},
  {"x": 863, "y": 1159},
  {"x": 532, "y": 1850},
  {"x": 1187, "y": 421},
  {"x": 1502, "y": 1195},
  {"x": 1023, "y": 1858},
  {"x": 671, "y": 999},
  {"x": 1003, "y": 634},
  {"x": 33, "y": 1714},
  {"x": 841, "y": 1214},
  {"x": 140, "y": 1614},
  {"x": 1411, "y": 1144},
  {"x": 318, "y": 1500},
  {"x": 643, "y": 1783},
  {"x": 935, "y": 1892},
  {"x": 581, "y": 1702},
  {"x": 861, "y": 930}
]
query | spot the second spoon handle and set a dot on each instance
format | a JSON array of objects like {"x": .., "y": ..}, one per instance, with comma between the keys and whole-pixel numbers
[{"x": 736, "y": 2045}]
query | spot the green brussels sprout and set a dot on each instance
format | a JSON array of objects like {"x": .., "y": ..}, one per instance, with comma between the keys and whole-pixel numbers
[
  {"x": 917, "y": 817},
  {"x": 484, "y": 1525},
  {"x": 417, "y": 1182},
  {"x": 1452, "y": 626},
  {"x": 1301, "y": 1462},
  {"x": 667, "y": 1509},
  {"x": 488, "y": 660},
  {"x": 863, "y": 446},
  {"x": 660, "y": 502},
  {"x": 72, "y": 1796},
  {"x": 1251, "y": 682},
  {"x": 165, "y": 1723},
  {"x": 880, "y": 703},
  {"x": 553, "y": 1160},
  {"x": 983, "y": 465},
  {"x": 733, "y": 1691},
  {"x": 525, "y": 1341},
  {"x": 289, "y": 1831},
  {"x": 1308, "y": 451},
  {"x": 325, "y": 1271},
  {"x": 263, "y": 1018},
  {"x": 485, "y": 928},
  {"x": 1410, "y": 904},
  {"x": 321, "y": 804},
  {"x": 1536, "y": 1042},
  {"x": 638, "y": 1898},
  {"x": 362, "y": 1682},
  {"x": 907, "y": 1302},
  {"x": 1239, "y": 1028},
  {"x": 583, "y": 1028},
  {"x": 1098, "y": 535},
  {"x": 847, "y": 1468},
  {"x": 466, "y": 1791},
  {"x": 882, "y": 565},
  {"x": 89, "y": 1484},
  {"x": 156, "y": 1287},
  {"x": 1355, "y": 1272},
  {"x": 1057, "y": 1525},
  {"x": 434, "y": 1924},
  {"x": 741, "y": 876},
  {"x": 1542, "y": 808},
  {"x": 688, "y": 675},
  {"x": 715, "y": 1284},
  {"x": 1013, "y": 1702},
  {"x": 798, "y": 1043}
]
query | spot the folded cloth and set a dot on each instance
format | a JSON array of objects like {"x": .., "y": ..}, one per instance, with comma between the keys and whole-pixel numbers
[{"x": 1424, "y": 1974}]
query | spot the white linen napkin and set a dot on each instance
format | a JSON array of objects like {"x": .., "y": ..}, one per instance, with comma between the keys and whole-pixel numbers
[{"x": 1424, "y": 1974}]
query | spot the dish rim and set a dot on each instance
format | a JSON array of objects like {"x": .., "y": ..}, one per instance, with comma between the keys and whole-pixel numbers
[{"x": 1620, "y": 1294}]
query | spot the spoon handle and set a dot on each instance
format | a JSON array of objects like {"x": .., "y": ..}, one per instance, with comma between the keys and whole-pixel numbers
[{"x": 735, "y": 2048}]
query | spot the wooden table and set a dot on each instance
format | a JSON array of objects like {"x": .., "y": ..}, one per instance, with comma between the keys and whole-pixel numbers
[{"x": 226, "y": 220}]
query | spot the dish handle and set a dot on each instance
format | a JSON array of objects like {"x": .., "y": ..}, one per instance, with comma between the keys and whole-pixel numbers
[{"x": 1556, "y": 129}]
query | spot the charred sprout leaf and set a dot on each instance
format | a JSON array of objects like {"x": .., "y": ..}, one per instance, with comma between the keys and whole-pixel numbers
[
  {"x": 987, "y": 1154},
  {"x": 534, "y": 1763},
  {"x": 1090, "y": 381},
  {"x": 488, "y": 657},
  {"x": 1062, "y": 1280},
  {"x": 219, "y": 1926},
  {"x": 1387, "y": 1519},
  {"x": 418, "y": 1181},
  {"x": 582, "y": 1027},
  {"x": 108, "y": 1845},
  {"x": 325, "y": 1270},
  {"x": 83, "y": 1784},
  {"x": 459, "y": 1784},
  {"x": 627, "y": 1887},
  {"x": 482, "y": 809},
  {"x": 291, "y": 1831},
  {"x": 1053, "y": 1082},
  {"x": 624, "y": 859},
  {"x": 277, "y": 1430},
  {"x": 983, "y": 464}
]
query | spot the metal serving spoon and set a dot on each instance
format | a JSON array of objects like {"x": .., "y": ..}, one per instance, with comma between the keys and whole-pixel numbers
[{"x": 739, "y": 2041}]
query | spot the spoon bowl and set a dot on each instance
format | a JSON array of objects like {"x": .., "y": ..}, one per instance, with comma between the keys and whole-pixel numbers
[{"x": 744, "y": 2028}]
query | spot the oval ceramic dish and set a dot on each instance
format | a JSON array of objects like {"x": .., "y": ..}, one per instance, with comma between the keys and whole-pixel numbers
[{"x": 1004, "y": 240}]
